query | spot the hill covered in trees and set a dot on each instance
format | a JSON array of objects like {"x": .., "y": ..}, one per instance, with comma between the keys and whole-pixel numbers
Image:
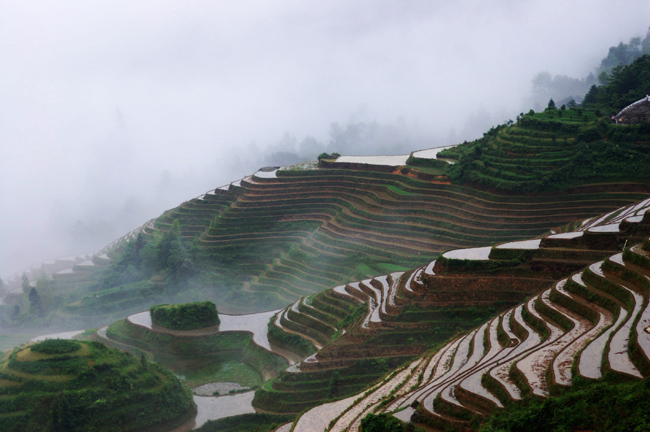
[
  {"x": 564, "y": 88},
  {"x": 61, "y": 385}
]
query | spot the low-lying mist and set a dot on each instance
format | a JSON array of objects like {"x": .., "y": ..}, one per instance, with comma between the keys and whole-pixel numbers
[{"x": 112, "y": 112}]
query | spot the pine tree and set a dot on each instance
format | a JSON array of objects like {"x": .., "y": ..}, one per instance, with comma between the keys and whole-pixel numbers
[
  {"x": 35, "y": 305},
  {"x": 25, "y": 284}
]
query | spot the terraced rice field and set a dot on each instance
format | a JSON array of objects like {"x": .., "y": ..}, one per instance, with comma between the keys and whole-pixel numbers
[
  {"x": 356, "y": 353},
  {"x": 375, "y": 160},
  {"x": 285, "y": 234},
  {"x": 591, "y": 322},
  {"x": 540, "y": 152}
]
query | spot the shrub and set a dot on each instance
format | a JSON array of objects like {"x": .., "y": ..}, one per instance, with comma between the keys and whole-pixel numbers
[
  {"x": 56, "y": 346},
  {"x": 328, "y": 156},
  {"x": 186, "y": 316},
  {"x": 596, "y": 406},
  {"x": 426, "y": 163},
  {"x": 381, "y": 423}
]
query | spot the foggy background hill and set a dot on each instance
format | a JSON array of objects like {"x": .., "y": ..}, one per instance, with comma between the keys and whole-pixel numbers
[{"x": 112, "y": 112}]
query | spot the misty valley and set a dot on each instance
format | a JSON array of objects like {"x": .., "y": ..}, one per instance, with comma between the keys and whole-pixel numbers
[{"x": 383, "y": 282}]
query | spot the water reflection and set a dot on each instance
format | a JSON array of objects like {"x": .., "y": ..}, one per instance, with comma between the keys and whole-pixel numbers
[
  {"x": 218, "y": 388},
  {"x": 213, "y": 408},
  {"x": 210, "y": 407},
  {"x": 255, "y": 323},
  {"x": 62, "y": 335}
]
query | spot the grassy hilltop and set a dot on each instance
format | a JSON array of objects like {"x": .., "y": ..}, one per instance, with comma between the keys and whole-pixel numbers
[{"x": 66, "y": 385}]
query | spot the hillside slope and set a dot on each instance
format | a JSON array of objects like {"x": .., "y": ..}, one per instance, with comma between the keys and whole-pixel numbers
[
  {"x": 590, "y": 326},
  {"x": 265, "y": 241},
  {"x": 306, "y": 231},
  {"x": 61, "y": 385}
]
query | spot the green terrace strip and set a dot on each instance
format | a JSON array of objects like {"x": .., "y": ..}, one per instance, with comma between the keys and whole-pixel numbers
[
  {"x": 544, "y": 152},
  {"x": 75, "y": 385}
]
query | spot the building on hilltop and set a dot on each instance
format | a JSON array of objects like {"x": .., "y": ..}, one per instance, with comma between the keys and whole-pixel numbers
[{"x": 635, "y": 113}]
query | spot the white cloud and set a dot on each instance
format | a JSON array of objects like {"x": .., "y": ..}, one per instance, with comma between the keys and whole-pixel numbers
[{"x": 195, "y": 81}]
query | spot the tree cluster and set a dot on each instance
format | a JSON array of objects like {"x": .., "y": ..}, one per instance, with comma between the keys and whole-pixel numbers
[
  {"x": 563, "y": 88},
  {"x": 186, "y": 316},
  {"x": 626, "y": 85}
]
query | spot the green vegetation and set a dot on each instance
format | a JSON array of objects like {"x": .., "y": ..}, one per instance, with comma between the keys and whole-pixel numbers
[
  {"x": 558, "y": 149},
  {"x": 382, "y": 423},
  {"x": 56, "y": 346},
  {"x": 328, "y": 156},
  {"x": 258, "y": 422},
  {"x": 566, "y": 89},
  {"x": 186, "y": 316},
  {"x": 202, "y": 359},
  {"x": 224, "y": 371},
  {"x": 426, "y": 163},
  {"x": 595, "y": 152},
  {"x": 289, "y": 341},
  {"x": 609, "y": 405},
  {"x": 623, "y": 54},
  {"x": 447, "y": 320},
  {"x": 625, "y": 85},
  {"x": 72, "y": 385},
  {"x": 362, "y": 357},
  {"x": 294, "y": 392}
]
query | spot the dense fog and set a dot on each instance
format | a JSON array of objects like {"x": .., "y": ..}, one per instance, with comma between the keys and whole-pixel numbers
[{"x": 113, "y": 111}]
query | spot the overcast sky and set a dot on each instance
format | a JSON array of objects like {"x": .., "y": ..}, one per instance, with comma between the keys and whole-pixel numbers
[{"x": 113, "y": 111}]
